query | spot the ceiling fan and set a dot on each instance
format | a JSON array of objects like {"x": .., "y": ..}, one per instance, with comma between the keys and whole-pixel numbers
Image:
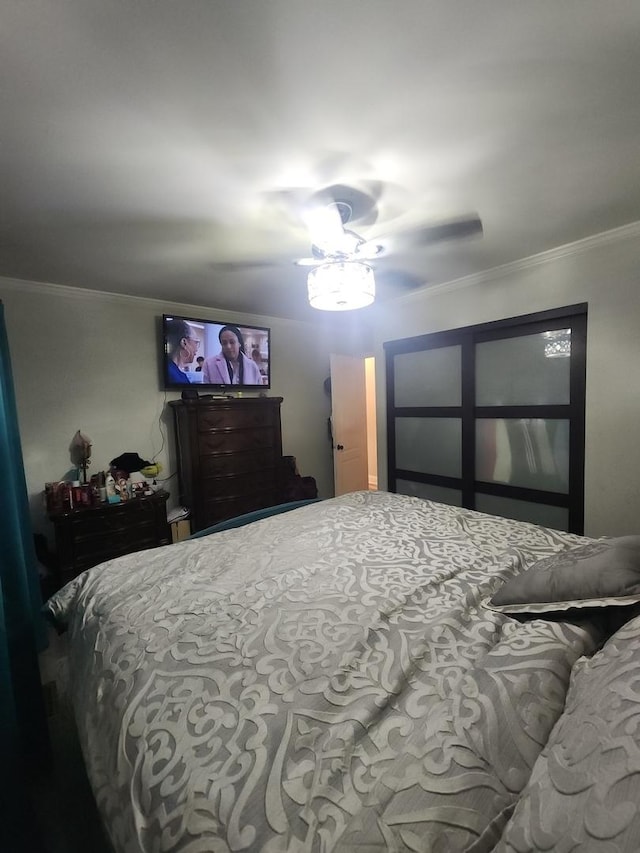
[
  {"x": 342, "y": 260},
  {"x": 331, "y": 215},
  {"x": 330, "y": 210}
]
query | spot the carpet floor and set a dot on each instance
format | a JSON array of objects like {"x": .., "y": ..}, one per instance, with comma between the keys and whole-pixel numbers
[{"x": 62, "y": 797}]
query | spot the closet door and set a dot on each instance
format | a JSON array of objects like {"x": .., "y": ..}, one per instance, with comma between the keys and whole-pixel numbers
[
  {"x": 427, "y": 421},
  {"x": 491, "y": 417}
]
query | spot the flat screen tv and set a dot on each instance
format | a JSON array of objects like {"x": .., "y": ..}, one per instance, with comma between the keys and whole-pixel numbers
[{"x": 215, "y": 354}]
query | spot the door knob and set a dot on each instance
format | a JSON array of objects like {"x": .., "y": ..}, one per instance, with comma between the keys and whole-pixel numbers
[{"x": 339, "y": 446}]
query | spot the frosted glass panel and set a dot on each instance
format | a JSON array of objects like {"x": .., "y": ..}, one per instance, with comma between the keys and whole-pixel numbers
[
  {"x": 453, "y": 497},
  {"x": 428, "y": 378},
  {"x": 429, "y": 445},
  {"x": 549, "y": 516},
  {"x": 523, "y": 371},
  {"x": 528, "y": 452}
]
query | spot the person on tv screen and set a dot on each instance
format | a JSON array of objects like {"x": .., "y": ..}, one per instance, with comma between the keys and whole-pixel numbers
[
  {"x": 257, "y": 358},
  {"x": 231, "y": 366},
  {"x": 182, "y": 346}
]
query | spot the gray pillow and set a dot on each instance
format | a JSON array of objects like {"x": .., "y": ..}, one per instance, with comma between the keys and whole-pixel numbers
[
  {"x": 600, "y": 574},
  {"x": 584, "y": 788}
]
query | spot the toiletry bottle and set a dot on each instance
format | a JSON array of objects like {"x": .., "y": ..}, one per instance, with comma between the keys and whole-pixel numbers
[
  {"x": 67, "y": 499},
  {"x": 76, "y": 492},
  {"x": 102, "y": 485},
  {"x": 110, "y": 486}
]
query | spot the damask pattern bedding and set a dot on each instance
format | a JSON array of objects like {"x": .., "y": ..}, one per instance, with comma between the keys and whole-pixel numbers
[
  {"x": 583, "y": 790},
  {"x": 324, "y": 680}
]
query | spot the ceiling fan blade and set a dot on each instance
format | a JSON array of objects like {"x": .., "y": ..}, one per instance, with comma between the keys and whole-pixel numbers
[
  {"x": 395, "y": 282},
  {"x": 425, "y": 235},
  {"x": 239, "y": 266}
]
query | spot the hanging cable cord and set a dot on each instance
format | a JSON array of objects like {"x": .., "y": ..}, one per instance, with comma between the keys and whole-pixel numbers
[{"x": 163, "y": 437}]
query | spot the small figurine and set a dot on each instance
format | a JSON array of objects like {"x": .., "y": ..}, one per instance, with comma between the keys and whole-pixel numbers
[{"x": 80, "y": 452}]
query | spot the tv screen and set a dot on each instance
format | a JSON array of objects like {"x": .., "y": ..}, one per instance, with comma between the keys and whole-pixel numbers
[{"x": 214, "y": 354}]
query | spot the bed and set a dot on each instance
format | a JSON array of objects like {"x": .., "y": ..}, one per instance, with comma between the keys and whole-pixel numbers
[{"x": 343, "y": 677}]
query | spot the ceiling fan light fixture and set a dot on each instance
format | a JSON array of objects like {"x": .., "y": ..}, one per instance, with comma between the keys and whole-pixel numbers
[{"x": 341, "y": 286}]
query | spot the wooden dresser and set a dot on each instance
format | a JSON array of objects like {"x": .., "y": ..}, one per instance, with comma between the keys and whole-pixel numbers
[
  {"x": 229, "y": 455},
  {"x": 91, "y": 535}
]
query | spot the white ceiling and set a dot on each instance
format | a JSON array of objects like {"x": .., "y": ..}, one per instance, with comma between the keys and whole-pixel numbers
[{"x": 148, "y": 146}]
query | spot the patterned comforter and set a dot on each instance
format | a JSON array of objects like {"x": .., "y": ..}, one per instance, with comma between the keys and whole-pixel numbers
[{"x": 323, "y": 680}]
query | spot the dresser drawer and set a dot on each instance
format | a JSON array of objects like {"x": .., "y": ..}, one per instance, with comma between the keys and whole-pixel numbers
[
  {"x": 238, "y": 484},
  {"x": 234, "y": 441},
  {"x": 230, "y": 507},
  {"x": 222, "y": 464},
  {"x": 260, "y": 416},
  {"x": 92, "y": 550},
  {"x": 111, "y": 520}
]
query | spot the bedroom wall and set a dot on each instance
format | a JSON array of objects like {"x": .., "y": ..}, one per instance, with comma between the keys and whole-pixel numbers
[
  {"x": 603, "y": 271},
  {"x": 89, "y": 361}
]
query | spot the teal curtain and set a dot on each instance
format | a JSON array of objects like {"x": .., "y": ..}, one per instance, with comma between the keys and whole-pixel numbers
[{"x": 24, "y": 738}]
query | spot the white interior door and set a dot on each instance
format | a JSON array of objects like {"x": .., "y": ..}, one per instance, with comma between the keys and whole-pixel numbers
[{"x": 349, "y": 424}]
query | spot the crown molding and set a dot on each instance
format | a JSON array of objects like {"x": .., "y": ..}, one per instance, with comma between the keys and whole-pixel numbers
[
  {"x": 47, "y": 288},
  {"x": 587, "y": 244},
  {"x": 163, "y": 306},
  {"x": 579, "y": 247}
]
